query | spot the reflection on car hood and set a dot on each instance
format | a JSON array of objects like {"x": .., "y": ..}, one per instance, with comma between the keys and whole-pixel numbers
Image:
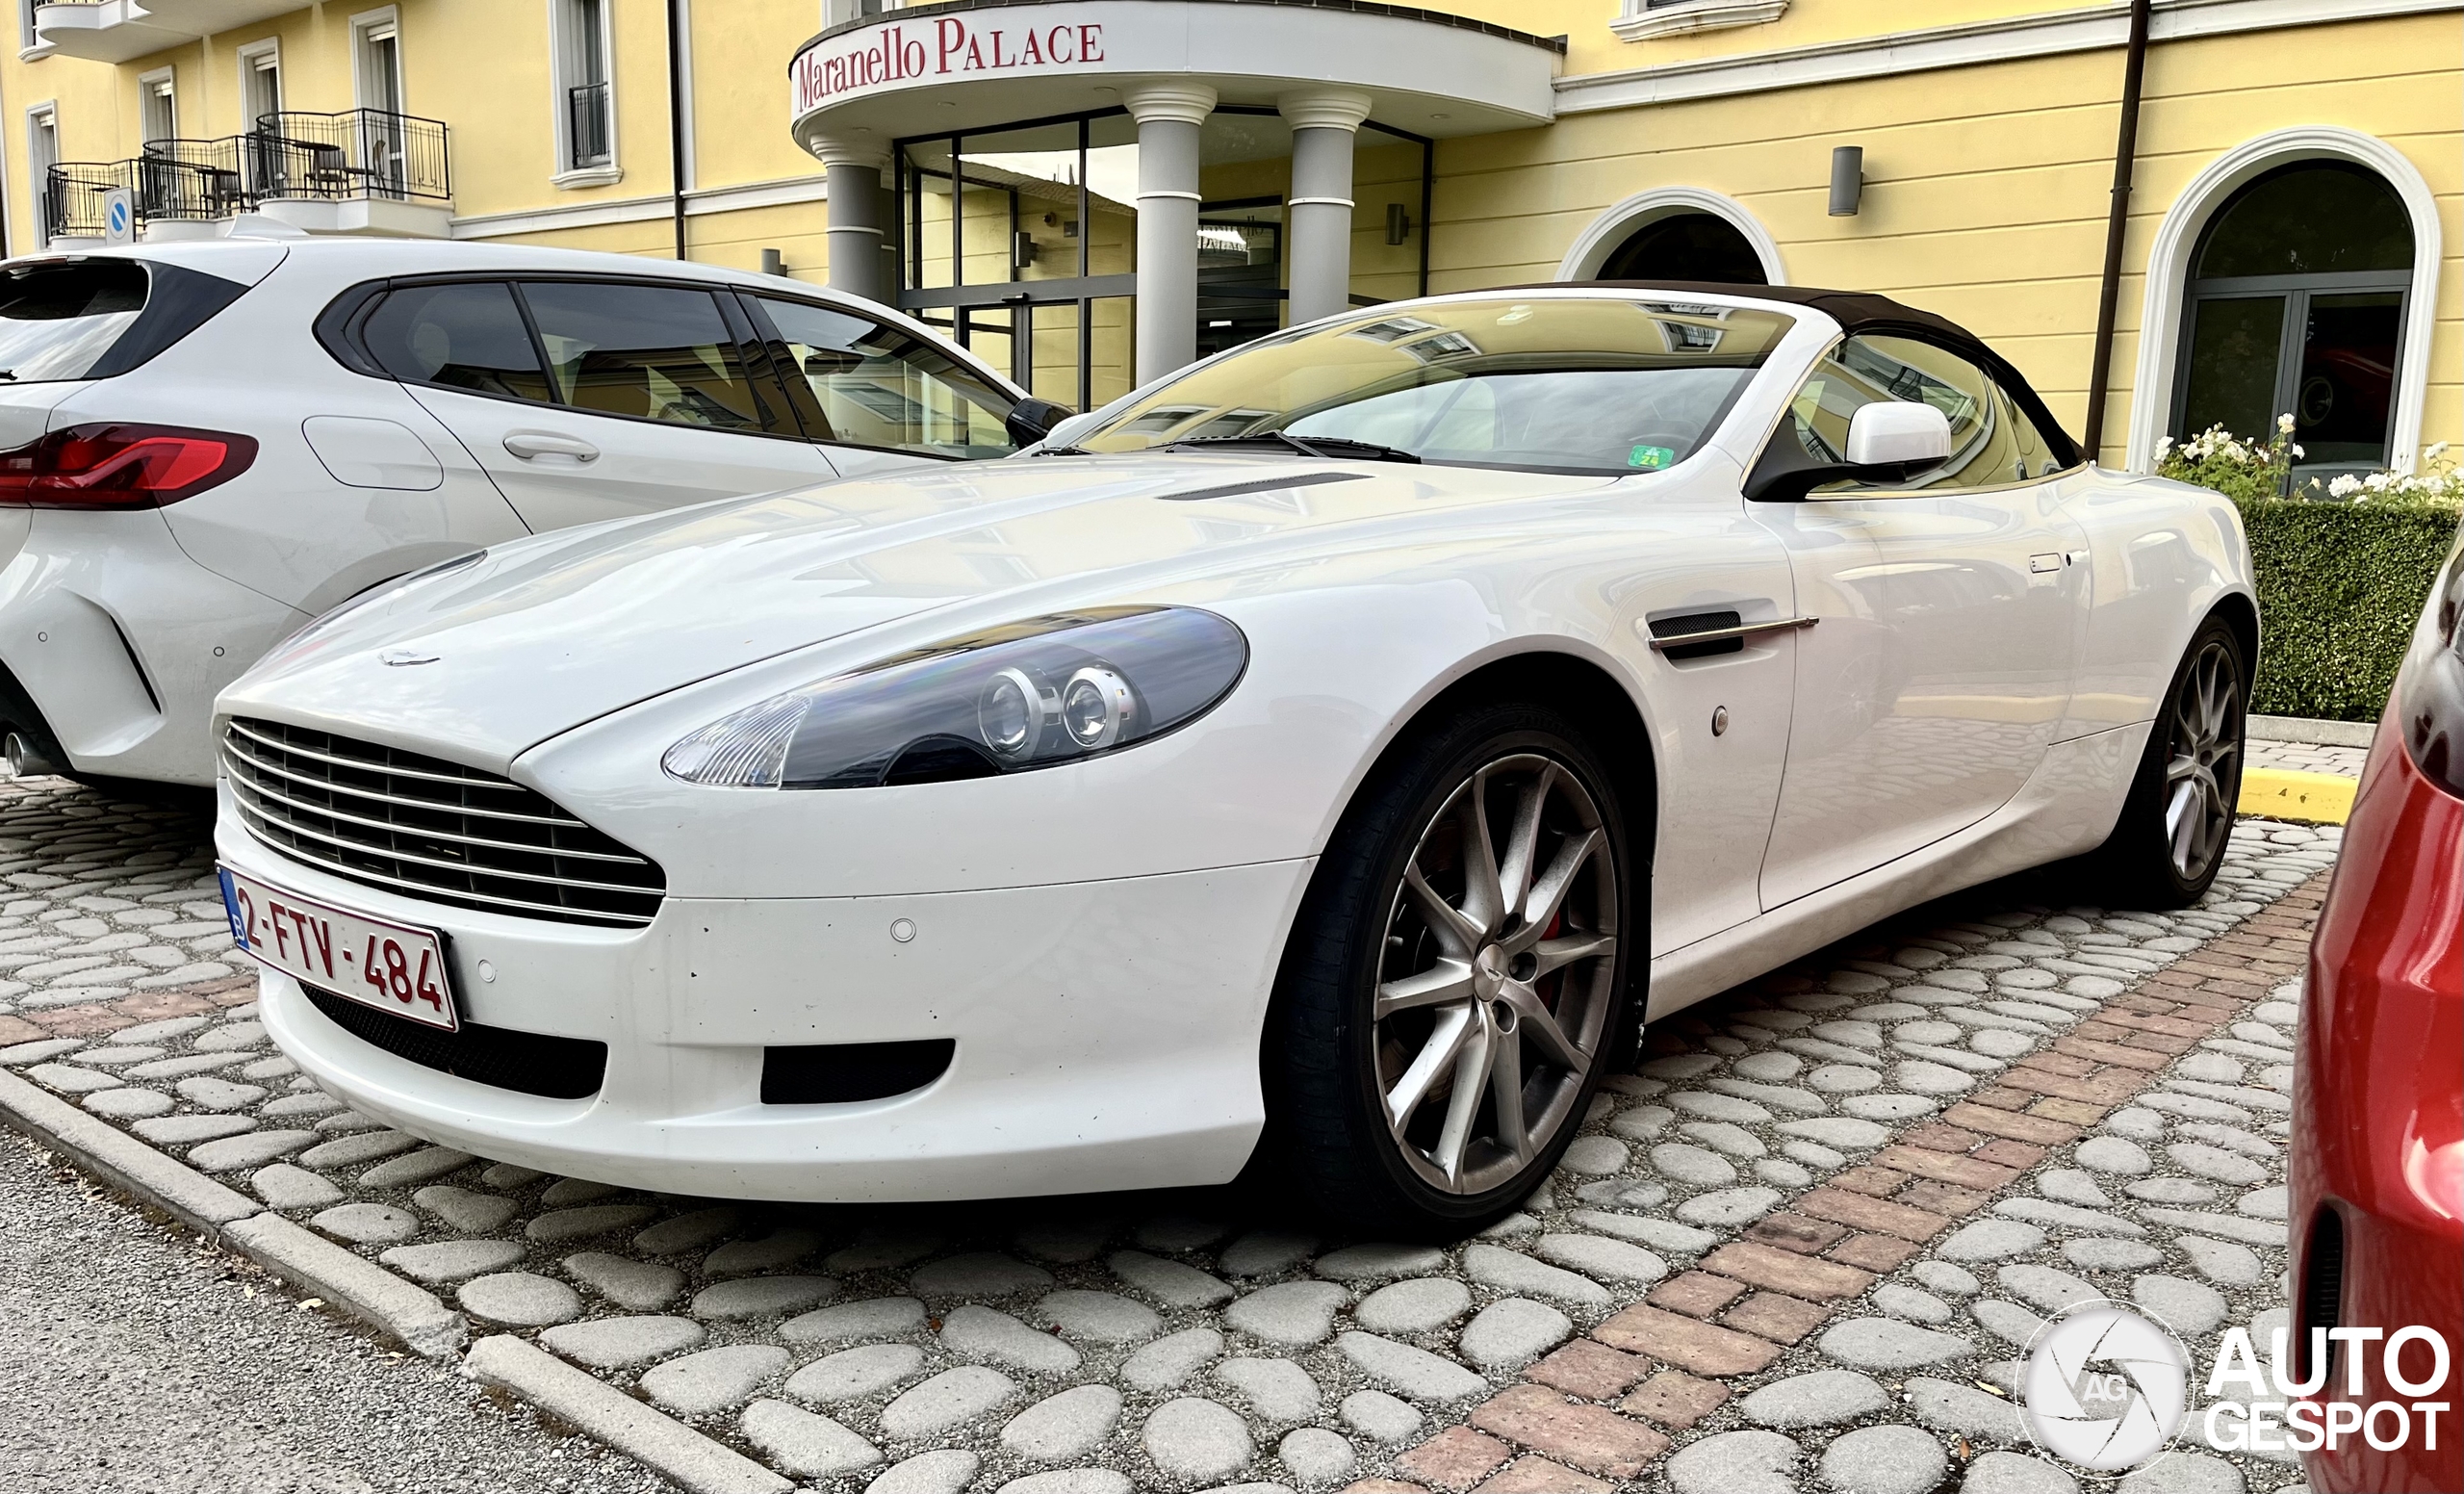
[{"x": 546, "y": 634}]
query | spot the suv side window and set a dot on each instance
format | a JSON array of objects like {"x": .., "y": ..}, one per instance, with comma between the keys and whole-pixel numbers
[
  {"x": 650, "y": 352},
  {"x": 1992, "y": 443},
  {"x": 465, "y": 335},
  {"x": 874, "y": 385}
]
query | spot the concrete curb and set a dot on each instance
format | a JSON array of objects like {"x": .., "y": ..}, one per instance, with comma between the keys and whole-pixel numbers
[
  {"x": 122, "y": 1160},
  {"x": 367, "y": 1291},
  {"x": 2305, "y": 798},
  {"x": 2315, "y": 733},
  {"x": 364, "y": 1289},
  {"x": 650, "y": 1437}
]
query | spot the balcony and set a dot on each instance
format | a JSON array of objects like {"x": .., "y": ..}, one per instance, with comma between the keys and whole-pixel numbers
[
  {"x": 118, "y": 30},
  {"x": 360, "y": 172}
]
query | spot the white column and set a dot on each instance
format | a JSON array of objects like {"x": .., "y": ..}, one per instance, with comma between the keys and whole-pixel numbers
[
  {"x": 1168, "y": 115},
  {"x": 1318, "y": 215},
  {"x": 856, "y": 207}
]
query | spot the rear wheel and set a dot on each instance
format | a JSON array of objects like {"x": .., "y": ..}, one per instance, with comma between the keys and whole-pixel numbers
[
  {"x": 1456, "y": 980},
  {"x": 2166, "y": 848}
]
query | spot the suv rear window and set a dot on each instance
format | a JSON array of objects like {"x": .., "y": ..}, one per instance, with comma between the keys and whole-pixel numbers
[{"x": 58, "y": 321}]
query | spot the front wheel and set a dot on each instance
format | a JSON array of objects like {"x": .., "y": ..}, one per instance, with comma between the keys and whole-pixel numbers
[
  {"x": 1457, "y": 976},
  {"x": 2169, "y": 842}
]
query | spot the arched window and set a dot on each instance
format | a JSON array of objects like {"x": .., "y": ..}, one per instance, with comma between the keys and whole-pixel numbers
[
  {"x": 1686, "y": 246},
  {"x": 2298, "y": 298}
]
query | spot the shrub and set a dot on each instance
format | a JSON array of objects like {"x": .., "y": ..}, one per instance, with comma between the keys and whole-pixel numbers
[{"x": 2342, "y": 568}]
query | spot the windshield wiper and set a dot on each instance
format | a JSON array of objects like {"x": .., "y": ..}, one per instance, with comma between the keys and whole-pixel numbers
[
  {"x": 1328, "y": 448},
  {"x": 1061, "y": 451}
]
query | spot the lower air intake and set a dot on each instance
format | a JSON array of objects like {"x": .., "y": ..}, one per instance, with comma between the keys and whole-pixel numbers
[
  {"x": 530, "y": 1063},
  {"x": 838, "y": 1073}
]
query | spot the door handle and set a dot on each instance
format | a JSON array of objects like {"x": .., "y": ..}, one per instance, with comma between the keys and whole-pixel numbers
[{"x": 532, "y": 445}]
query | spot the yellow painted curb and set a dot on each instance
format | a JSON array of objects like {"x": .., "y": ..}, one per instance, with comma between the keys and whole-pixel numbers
[{"x": 2312, "y": 798}]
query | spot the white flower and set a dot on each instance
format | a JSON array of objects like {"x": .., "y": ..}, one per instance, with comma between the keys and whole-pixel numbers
[
  {"x": 2284, "y": 423},
  {"x": 2344, "y": 485},
  {"x": 2297, "y": 451}
]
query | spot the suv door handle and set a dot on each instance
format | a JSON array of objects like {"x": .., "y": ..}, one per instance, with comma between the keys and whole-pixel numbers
[{"x": 532, "y": 445}]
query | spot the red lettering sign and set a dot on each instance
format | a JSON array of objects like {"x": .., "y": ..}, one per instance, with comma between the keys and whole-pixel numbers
[{"x": 892, "y": 53}]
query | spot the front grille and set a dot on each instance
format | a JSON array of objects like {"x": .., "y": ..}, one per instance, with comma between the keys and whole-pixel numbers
[
  {"x": 431, "y": 830},
  {"x": 530, "y": 1062}
]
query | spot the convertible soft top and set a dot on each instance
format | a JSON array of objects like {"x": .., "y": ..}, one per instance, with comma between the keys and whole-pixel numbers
[{"x": 1862, "y": 311}]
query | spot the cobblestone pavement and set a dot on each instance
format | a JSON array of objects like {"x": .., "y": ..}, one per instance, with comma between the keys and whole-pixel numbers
[
  {"x": 140, "y": 1361},
  {"x": 1795, "y": 1251},
  {"x": 2308, "y": 758}
]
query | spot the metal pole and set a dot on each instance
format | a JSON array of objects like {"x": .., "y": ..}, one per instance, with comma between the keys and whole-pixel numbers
[
  {"x": 2117, "y": 223},
  {"x": 676, "y": 117}
]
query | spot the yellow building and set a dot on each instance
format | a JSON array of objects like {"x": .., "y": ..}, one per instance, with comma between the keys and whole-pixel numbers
[{"x": 1091, "y": 191}]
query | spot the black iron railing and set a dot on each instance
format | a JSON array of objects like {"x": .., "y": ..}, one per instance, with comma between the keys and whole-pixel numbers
[
  {"x": 357, "y": 153},
  {"x": 187, "y": 180},
  {"x": 72, "y": 196},
  {"x": 587, "y": 123}
]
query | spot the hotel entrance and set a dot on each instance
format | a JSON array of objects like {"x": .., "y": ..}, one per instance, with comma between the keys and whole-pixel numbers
[
  {"x": 1093, "y": 195},
  {"x": 1021, "y": 243}
]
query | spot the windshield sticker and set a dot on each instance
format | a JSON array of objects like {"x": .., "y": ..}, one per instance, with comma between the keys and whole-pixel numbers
[{"x": 1651, "y": 458}]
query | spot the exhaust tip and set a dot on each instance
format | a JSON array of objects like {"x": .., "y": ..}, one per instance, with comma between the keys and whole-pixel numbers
[{"x": 25, "y": 759}]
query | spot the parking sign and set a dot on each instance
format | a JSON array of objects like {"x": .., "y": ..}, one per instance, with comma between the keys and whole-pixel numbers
[{"x": 119, "y": 217}]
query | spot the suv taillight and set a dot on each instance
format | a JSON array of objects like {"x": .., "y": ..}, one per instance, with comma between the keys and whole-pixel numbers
[
  {"x": 109, "y": 464},
  {"x": 2429, "y": 689}
]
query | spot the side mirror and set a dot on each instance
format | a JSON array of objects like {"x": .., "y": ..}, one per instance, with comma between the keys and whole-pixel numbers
[
  {"x": 1887, "y": 442},
  {"x": 1031, "y": 419},
  {"x": 1898, "y": 431}
]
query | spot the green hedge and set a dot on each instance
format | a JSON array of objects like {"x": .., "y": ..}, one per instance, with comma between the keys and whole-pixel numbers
[{"x": 2340, "y": 588}]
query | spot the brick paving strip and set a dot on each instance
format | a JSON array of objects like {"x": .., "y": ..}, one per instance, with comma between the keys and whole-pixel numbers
[
  {"x": 1090, "y": 1345},
  {"x": 1608, "y": 1406}
]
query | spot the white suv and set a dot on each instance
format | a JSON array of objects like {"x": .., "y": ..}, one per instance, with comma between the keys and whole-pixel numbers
[{"x": 203, "y": 446}]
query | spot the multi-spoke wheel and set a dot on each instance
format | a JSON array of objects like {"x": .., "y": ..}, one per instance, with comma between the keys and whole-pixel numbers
[
  {"x": 2166, "y": 847},
  {"x": 1456, "y": 979},
  {"x": 2204, "y": 760}
]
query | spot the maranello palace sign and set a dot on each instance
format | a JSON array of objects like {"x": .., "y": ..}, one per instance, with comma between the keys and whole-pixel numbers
[{"x": 949, "y": 48}]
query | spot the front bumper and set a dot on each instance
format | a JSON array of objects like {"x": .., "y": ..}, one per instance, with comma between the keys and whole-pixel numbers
[{"x": 1107, "y": 1034}]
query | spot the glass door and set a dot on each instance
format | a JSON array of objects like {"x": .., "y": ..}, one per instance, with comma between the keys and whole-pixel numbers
[{"x": 1021, "y": 245}]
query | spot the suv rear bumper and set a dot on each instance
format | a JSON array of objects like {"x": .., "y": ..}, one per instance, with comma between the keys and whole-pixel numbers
[{"x": 120, "y": 641}]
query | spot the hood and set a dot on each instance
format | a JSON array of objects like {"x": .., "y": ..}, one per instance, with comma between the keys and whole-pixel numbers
[{"x": 543, "y": 634}]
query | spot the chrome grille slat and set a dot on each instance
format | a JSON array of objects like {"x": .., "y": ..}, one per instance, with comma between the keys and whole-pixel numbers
[
  {"x": 465, "y": 780},
  {"x": 465, "y": 868},
  {"x": 262, "y": 793},
  {"x": 399, "y": 820},
  {"x": 231, "y": 750},
  {"x": 419, "y": 890}
]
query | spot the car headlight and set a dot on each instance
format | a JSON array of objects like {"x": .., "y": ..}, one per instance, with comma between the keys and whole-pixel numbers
[{"x": 1033, "y": 694}]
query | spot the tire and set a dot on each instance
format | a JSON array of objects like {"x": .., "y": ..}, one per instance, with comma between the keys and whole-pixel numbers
[
  {"x": 1465, "y": 991},
  {"x": 2166, "y": 848}
]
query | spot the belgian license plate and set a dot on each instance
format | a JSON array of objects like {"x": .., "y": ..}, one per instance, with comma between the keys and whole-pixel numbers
[{"x": 387, "y": 966}]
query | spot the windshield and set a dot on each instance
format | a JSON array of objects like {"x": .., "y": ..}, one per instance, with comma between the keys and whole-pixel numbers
[
  {"x": 58, "y": 321},
  {"x": 1589, "y": 385}
]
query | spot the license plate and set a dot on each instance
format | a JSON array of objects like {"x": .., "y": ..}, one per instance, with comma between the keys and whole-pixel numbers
[{"x": 387, "y": 966}]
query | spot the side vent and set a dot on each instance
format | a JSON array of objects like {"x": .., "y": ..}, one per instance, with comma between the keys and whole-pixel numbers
[
  {"x": 839, "y": 1073},
  {"x": 2321, "y": 1302},
  {"x": 1693, "y": 622}
]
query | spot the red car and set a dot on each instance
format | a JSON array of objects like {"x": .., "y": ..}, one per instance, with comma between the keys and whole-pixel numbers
[{"x": 2377, "y": 1210}]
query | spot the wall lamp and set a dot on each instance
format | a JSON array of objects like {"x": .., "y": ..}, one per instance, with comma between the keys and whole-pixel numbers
[{"x": 1847, "y": 179}]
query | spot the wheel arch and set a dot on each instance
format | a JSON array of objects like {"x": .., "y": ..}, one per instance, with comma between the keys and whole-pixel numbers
[
  {"x": 1538, "y": 671},
  {"x": 2242, "y": 614}
]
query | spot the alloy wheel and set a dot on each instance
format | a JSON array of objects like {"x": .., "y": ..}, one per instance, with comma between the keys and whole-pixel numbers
[
  {"x": 1496, "y": 981},
  {"x": 2204, "y": 768}
]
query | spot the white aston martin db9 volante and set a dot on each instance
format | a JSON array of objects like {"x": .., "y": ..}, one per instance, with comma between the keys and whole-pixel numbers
[{"x": 1331, "y": 754}]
